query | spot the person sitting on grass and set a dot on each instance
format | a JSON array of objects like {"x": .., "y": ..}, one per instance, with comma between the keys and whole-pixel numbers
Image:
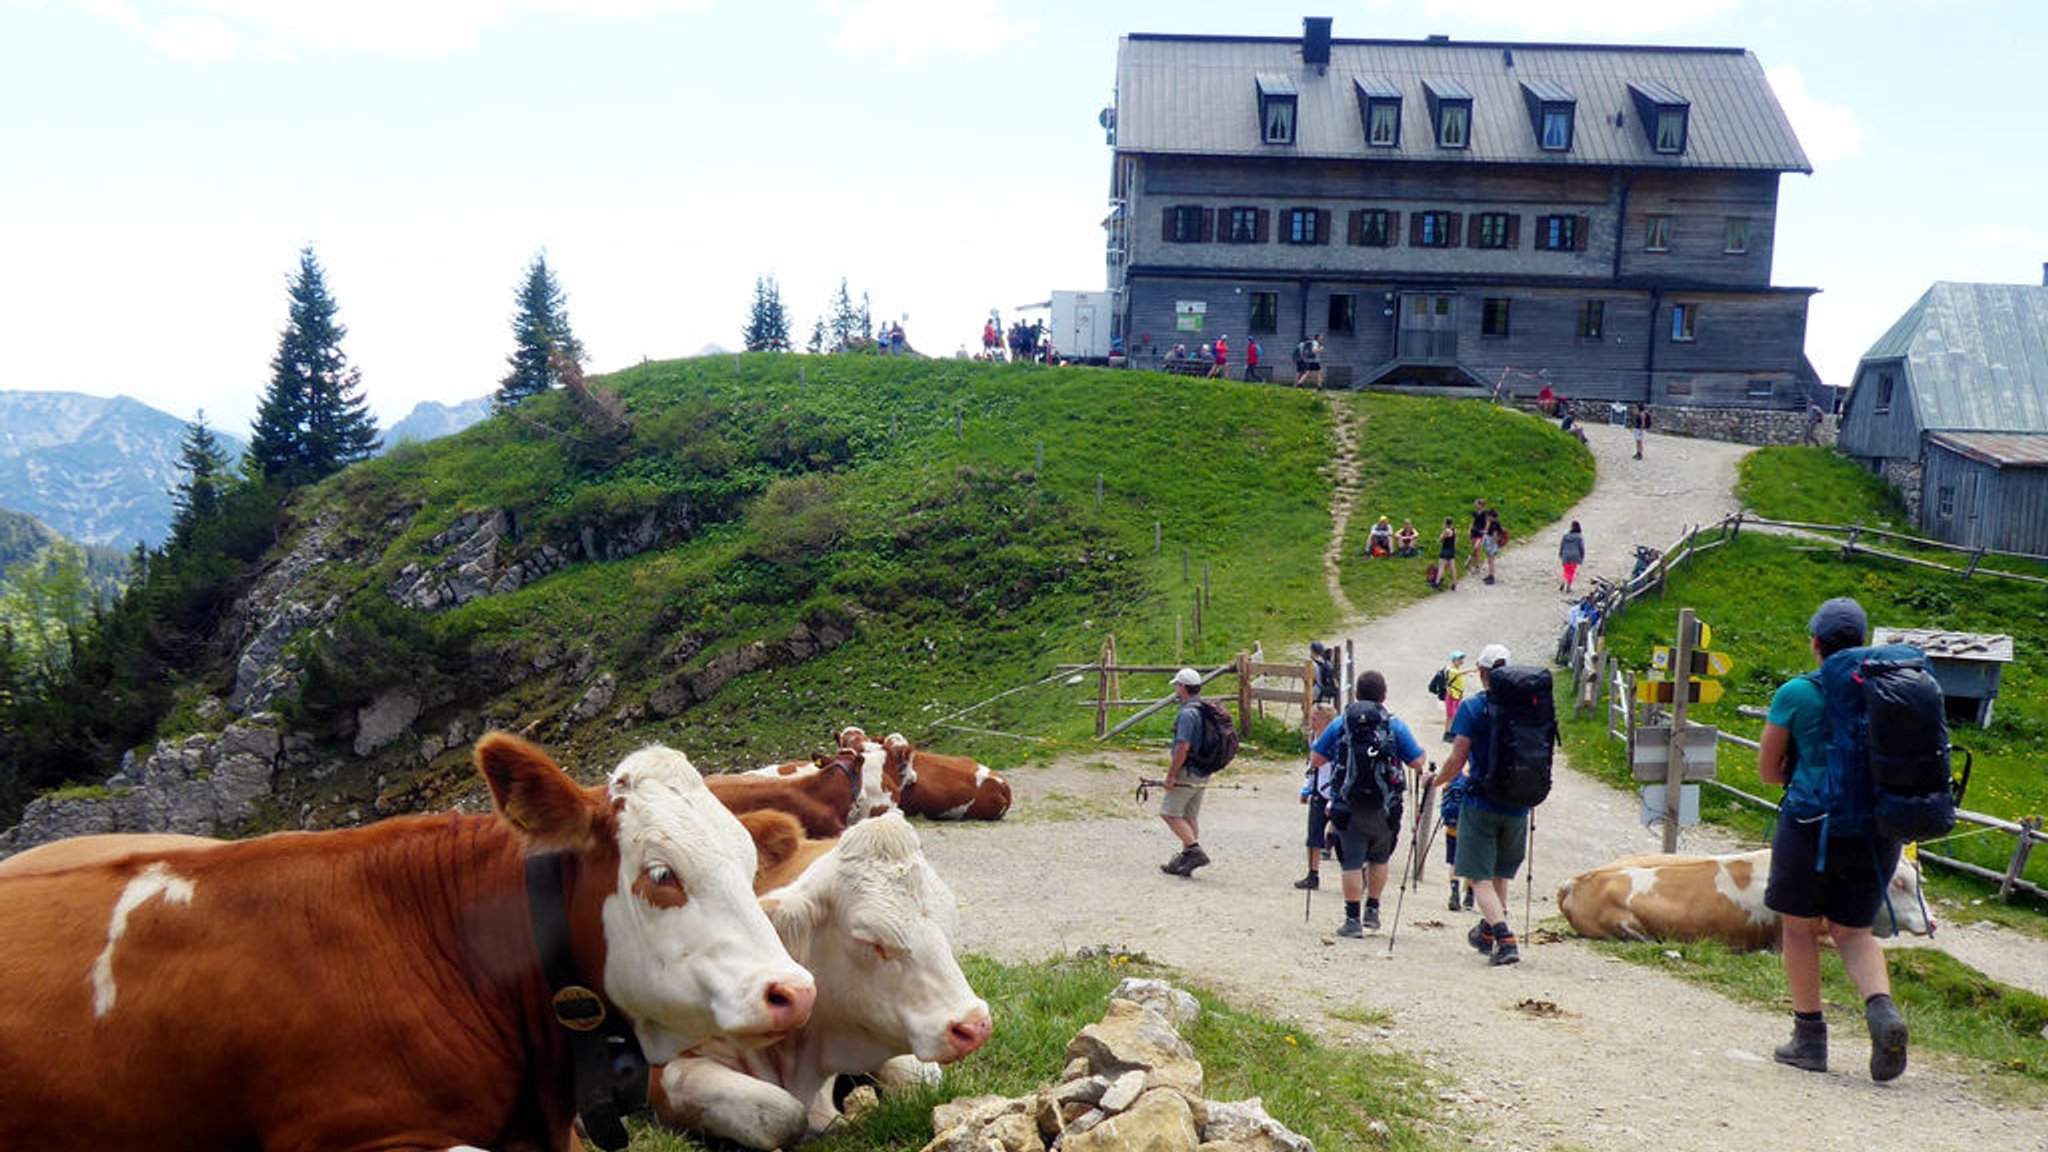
[
  {"x": 1380, "y": 541},
  {"x": 1405, "y": 541}
]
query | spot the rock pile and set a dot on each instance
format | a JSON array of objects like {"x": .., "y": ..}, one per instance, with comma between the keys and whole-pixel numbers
[{"x": 1131, "y": 1083}]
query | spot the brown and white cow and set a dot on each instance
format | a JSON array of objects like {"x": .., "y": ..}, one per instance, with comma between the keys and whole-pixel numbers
[
  {"x": 1658, "y": 897},
  {"x": 875, "y": 924},
  {"x": 934, "y": 785},
  {"x": 381, "y": 986},
  {"x": 875, "y": 798},
  {"x": 827, "y": 798}
]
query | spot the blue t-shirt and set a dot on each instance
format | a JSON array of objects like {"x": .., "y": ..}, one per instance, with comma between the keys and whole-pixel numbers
[
  {"x": 1800, "y": 709},
  {"x": 1187, "y": 727},
  {"x": 1470, "y": 722},
  {"x": 1406, "y": 747}
]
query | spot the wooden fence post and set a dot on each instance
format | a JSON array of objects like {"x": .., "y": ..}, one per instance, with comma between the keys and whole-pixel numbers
[
  {"x": 1116, "y": 678},
  {"x": 1102, "y": 696},
  {"x": 1244, "y": 692},
  {"x": 2030, "y": 828}
]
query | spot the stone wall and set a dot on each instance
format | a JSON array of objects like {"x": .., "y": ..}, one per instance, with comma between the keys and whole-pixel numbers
[{"x": 1739, "y": 425}]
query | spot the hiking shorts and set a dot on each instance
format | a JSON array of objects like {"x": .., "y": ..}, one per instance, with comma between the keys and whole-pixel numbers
[
  {"x": 1182, "y": 803},
  {"x": 1318, "y": 822},
  {"x": 1490, "y": 844},
  {"x": 1848, "y": 894},
  {"x": 1368, "y": 839}
]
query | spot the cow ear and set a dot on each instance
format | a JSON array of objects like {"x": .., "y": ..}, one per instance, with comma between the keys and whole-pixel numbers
[
  {"x": 535, "y": 796},
  {"x": 792, "y": 914}
]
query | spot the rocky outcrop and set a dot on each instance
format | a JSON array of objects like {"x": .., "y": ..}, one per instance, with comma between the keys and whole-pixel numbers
[
  {"x": 1131, "y": 1083},
  {"x": 481, "y": 555},
  {"x": 808, "y": 639},
  {"x": 200, "y": 786},
  {"x": 274, "y": 613}
]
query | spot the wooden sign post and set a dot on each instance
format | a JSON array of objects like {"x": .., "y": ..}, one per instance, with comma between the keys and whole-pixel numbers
[{"x": 1674, "y": 764}]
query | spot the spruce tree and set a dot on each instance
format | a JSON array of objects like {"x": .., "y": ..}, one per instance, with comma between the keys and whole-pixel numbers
[
  {"x": 817, "y": 341},
  {"x": 767, "y": 324},
  {"x": 204, "y": 464},
  {"x": 313, "y": 420},
  {"x": 540, "y": 332}
]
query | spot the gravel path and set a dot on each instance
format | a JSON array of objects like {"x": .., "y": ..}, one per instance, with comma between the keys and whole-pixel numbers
[{"x": 1569, "y": 1049}]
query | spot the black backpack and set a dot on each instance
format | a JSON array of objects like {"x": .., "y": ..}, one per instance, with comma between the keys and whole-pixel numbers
[
  {"x": 1888, "y": 749},
  {"x": 1218, "y": 746},
  {"x": 1521, "y": 731},
  {"x": 1440, "y": 684},
  {"x": 1367, "y": 775}
]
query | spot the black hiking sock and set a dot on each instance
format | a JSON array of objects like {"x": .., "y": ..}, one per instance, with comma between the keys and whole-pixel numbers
[
  {"x": 1872, "y": 999},
  {"x": 1351, "y": 909},
  {"x": 1810, "y": 1017},
  {"x": 1371, "y": 903},
  {"x": 1501, "y": 932}
]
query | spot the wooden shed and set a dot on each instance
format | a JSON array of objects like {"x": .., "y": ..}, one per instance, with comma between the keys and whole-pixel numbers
[
  {"x": 1988, "y": 490},
  {"x": 1967, "y": 665}
]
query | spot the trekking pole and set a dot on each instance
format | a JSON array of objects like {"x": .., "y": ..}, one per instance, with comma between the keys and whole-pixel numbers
[
  {"x": 1402, "y": 895},
  {"x": 1529, "y": 874}
]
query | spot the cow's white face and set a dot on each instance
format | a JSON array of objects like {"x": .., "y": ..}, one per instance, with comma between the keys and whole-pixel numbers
[
  {"x": 688, "y": 952},
  {"x": 1904, "y": 896},
  {"x": 876, "y": 925}
]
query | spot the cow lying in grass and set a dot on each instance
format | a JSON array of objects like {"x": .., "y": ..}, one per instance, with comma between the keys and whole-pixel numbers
[
  {"x": 875, "y": 924},
  {"x": 380, "y": 986},
  {"x": 933, "y": 785},
  {"x": 1659, "y": 897}
]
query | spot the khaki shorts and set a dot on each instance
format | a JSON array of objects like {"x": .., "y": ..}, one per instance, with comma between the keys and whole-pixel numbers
[{"x": 1182, "y": 803}]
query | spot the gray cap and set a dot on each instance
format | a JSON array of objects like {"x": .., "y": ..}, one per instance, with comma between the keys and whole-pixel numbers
[
  {"x": 1188, "y": 677},
  {"x": 1838, "y": 624},
  {"x": 1493, "y": 656},
  {"x": 1316, "y": 646}
]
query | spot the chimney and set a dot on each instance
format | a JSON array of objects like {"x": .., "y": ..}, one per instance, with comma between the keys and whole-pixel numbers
[
  {"x": 2044, "y": 273},
  {"x": 1315, "y": 41}
]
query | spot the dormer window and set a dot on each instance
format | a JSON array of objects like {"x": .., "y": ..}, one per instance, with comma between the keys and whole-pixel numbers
[
  {"x": 1551, "y": 108},
  {"x": 1277, "y": 106},
  {"x": 1379, "y": 106},
  {"x": 1450, "y": 112},
  {"x": 1663, "y": 113}
]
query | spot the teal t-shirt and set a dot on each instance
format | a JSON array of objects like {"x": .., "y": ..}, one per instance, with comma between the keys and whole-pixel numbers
[{"x": 1799, "y": 708}]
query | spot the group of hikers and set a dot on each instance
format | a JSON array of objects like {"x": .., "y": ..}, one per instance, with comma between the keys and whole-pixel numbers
[
  {"x": 1486, "y": 536},
  {"x": 1025, "y": 342},
  {"x": 1830, "y": 863}
]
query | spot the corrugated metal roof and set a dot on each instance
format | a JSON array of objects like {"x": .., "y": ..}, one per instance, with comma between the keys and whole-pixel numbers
[
  {"x": 1376, "y": 87},
  {"x": 1275, "y": 84},
  {"x": 2003, "y": 449},
  {"x": 1197, "y": 95},
  {"x": 1445, "y": 89},
  {"x": 1657, "y": 93},
  {"x": 1549, "y": 92},
  {"x": 1976, "y": 357}
]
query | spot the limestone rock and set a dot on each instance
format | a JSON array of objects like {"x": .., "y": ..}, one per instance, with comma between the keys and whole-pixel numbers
[
  {"x": 1131, "y": 1036},
  {"x": 1016, "y": 1132},
  {"x": 859, "y": 1103},
  {"x": 1246, "y": 1124},
  {"x": 973, "y": 1111},
  {"x": 1177, "y": 1006},
  {"x": 385, "y": 719},
  {"x": 1159, "y": 1122},
  {"x": 1124, "y": 1092},
  {"x": 596, "y": 698}
]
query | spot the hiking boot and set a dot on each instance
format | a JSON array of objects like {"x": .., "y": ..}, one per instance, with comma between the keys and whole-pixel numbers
[
  {"x": 1372, "y": 918},
  {"x": 1178, "y": 866},
  {"x": 1488, "y": 580},
  {"x": 1310, "y": 882},
  {"x": 1453, "y": 905},
  {"x": 1505, "y": 952},
  {"x": 1887, "y": 1038},
  {"x": 1481, "y": 937},
  {"x": 1808, "y": 1047},
  {"x": 1350, "y": 929},
  {"x": 1196, "y": 858},
  {"x": 1468, "y": 898}
]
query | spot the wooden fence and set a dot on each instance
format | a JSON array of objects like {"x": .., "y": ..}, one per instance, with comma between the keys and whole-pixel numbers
[
  {"x": 1595, "y": 671},
  {"x": 1258, "y": 682}
]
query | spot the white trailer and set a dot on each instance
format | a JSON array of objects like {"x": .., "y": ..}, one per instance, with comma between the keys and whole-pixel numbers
[{"x": 1080, "y": 326}]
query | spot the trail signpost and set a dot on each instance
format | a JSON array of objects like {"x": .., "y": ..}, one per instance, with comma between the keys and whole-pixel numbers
[{"x": 1687, "y": 754}]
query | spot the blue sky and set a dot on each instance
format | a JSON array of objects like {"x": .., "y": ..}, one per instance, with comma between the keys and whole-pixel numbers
[{"x": 162, "y": 161}]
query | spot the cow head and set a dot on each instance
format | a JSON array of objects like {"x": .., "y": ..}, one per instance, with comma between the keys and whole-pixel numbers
[
  {"x": 876, "y": 924},
  {"x": 1907, "y": 913},
  {"x": 663, "y": 902}
]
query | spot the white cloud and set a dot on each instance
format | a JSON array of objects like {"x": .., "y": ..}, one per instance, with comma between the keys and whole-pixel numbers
[
  {"x": 1555, "y": 19},
  {"x": 1828, "y": 132},
  {"x": 408, "y": 29},
  {"x": 914, "y": 29}
]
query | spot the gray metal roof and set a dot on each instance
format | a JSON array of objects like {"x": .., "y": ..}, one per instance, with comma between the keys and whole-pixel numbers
[
  {"x": 1548, "y": 91},
  {"x": 1999, "y": 449},
  {"x": 1197, "y": 95},
  {"x": 1976, "y": 357}
]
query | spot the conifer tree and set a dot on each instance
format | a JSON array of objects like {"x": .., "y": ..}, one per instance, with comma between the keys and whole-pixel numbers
[
  {"x": 313, "y": 420},
  {"x": 204, "y": 464},
  {"x": 846, "y": 326},
  {"x": 817, "y": 341},
  {"x": 767, "y": 324},
  {"x": 540, "y": 332}
]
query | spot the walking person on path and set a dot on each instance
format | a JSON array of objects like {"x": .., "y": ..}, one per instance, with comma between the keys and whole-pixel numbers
[
  {"x": 1493, "y": 541},
  {"x": 1447, "y": 556},
  {"x": 1571, "y": 552},
  {"x": 1477, "y": 535},
  {"x": 1639, "y": 423},
  {"x": 1844, "y": 894},
  {"x": 1312, "y": 789},
  {"x": 1367, "y": 837},
  {"x": 1492, "y": 838},
  {"x": 1181, "y": 805}
]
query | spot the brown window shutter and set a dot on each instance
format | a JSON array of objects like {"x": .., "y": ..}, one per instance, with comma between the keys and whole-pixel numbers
[
  {"x": 1213, "y": 222},
  {"x": 1393, "y": 229},
  {"x": 1415, "y": 229},
  {"x": 1542, "y": 231},
  {"x": 1514, "y": 230},
  {"x": 1472, "y": 237},
  {"x": 1322, "y": 225},
  {"x": 1579, "y": 231},
  {"x": 1456, "y": 229},
  {"x": 1356, "y": 235},
  {"x": 1260, "y": 219}
]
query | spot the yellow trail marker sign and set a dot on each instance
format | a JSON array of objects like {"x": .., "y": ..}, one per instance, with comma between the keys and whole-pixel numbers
[
  {"x": 1704, "y": 663},
  {"x": 1666, "y": 691}
]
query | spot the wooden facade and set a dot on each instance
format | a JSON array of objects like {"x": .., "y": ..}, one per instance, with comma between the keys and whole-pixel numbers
[
  {"x": 1976, "y": 499},
  {"x": 1612, "y": 275}
]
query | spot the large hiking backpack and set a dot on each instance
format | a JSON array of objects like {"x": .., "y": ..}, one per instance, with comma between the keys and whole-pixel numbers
[
  {"x": 1521, "y": 731},
  {"x": 1218, "y": 746},
  {"x": 1367, "y": 775},
  {"x": 1888, "y": 753}
]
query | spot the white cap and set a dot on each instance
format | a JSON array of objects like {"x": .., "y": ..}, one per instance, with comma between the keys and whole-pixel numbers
[
  {"x": 1493, "y": 656},
  {"x": 1188, "y": 677}
]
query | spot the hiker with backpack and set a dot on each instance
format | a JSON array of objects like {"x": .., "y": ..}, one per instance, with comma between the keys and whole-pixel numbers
[
  {"x": 1505, "y": 732},
  {"x": 1369, "y": 754},
  {"x": 1835, "y": 739},
  {"x": 1204, "y": 741}
]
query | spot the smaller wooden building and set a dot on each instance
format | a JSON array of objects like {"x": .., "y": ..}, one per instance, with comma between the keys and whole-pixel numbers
[
  {"x": 1987, "y": 490},
  {"x": 1967, "y": 665}
]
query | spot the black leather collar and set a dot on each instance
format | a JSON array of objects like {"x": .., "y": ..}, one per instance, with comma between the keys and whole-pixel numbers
[{"x": 610, "y": 1070}]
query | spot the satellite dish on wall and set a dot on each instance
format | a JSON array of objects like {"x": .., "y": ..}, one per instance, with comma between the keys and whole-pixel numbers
[{"x": 1107, "y": 118}]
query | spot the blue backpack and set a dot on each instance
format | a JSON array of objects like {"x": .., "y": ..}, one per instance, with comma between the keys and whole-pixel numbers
[{"x": 1888, "y": 769}]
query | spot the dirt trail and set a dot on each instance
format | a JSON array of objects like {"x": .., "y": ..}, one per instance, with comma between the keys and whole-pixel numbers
[
  {"x": 1629, "y": 1058},
  {"x": 1344, "y": 497}
]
